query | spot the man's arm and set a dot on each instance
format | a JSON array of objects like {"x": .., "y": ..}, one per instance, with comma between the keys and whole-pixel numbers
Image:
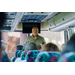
[
  {"x": 26, "y": 41},
  {"x": 43, "y": 43}
]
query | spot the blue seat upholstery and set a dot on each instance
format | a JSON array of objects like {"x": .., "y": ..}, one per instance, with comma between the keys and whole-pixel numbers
[
  {"x": 67, "y": 57},
  {"x": 43, "y": 57},
  {"x": 23, "y": 55},
  {"x": 31, "y": 55},
  {"x": 54, "y": 56},
  {"x": 17, "y": 54},
  {"x": 48, "y": 57}
]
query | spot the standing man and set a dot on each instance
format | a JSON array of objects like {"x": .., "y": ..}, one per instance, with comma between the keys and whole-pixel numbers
[{"x": 38, "y": 40}]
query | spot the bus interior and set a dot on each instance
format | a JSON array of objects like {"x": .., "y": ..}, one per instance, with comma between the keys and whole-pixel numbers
[{"x": 55, "y": 27}]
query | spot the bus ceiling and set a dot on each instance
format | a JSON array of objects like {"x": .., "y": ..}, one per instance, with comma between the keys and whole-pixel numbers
[{"x": 53, "y": 21}]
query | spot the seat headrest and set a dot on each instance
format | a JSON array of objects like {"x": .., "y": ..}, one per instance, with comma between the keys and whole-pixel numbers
[
  {"x": 67, "y": 57},
  {"x": 43, "y": 57},
  {"x": 31, "y": 55},
  {"x": 48, "y": 57}
]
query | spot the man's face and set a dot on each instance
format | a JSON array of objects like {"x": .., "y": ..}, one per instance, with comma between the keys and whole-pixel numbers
[{"x": 35, "y": 31}]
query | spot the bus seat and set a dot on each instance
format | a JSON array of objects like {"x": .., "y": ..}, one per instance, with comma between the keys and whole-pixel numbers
[
  {"x": 48, "y": 57},
  {"x": 23, "y": 55},
  {"x": 54, "y": 56},
  {"x": 17, "y": 55},
  {"x": 67, "y": 57},
  {"x": 43, "y": 57},
  {"x": 31, "y": 55}
]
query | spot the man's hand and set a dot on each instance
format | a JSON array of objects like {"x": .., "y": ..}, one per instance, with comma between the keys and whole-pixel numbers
[{"x": 42, "y": 45}]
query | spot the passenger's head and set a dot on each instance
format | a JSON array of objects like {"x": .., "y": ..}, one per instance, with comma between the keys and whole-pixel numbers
[
  {"x": 30, "y": 46},
  {"x": 35, "y": 31},
  {"x": 50, "y": 47},
  {"x": 19, "y": 47}
]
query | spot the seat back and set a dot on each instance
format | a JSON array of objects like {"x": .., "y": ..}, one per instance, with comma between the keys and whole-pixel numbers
[
  {"x": 67, "y": 57},
  {"x": 19, "y": 53},
  {"x": 48, "y": 57},
  {"x": 23, "y": 55},
  {"x": 43, "y": 57},
  {"x": 31, "y": 55},
  {"x": 54, "y": 56},
  {"x": 16, "y": 53}
]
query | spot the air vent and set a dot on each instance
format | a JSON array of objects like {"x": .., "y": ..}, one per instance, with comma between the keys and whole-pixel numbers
[{"x": 11, "y": 14}]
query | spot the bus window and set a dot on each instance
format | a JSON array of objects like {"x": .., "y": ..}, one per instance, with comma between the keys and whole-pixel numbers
[
  {"x": 12, "y": 40},
  {"x": 54, "y": 37}
]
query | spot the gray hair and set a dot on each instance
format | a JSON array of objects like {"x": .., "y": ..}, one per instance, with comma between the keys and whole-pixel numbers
[{"x": 30, "y": 46}]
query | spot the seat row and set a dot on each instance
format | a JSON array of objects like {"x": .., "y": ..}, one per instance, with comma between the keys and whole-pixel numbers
[{"x": 35, "y": 55}]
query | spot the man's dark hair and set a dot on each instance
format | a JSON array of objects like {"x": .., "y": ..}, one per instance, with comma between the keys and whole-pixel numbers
[
  {"x": 19, "y": 47},
  {"x": 30, "y": 46}
]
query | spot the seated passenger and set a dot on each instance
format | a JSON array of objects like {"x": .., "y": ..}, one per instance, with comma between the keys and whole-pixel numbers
[
  {"x": 19, "y": 47},
  {"x": 50, "y": 47},
  {"x": 69, "y": 47},
  {"x": 28, "y": 47},
  {"x": 5, "y": 57}
]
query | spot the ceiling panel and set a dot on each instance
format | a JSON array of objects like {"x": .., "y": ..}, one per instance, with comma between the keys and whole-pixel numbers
[{"x": 33, "y": 18}]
